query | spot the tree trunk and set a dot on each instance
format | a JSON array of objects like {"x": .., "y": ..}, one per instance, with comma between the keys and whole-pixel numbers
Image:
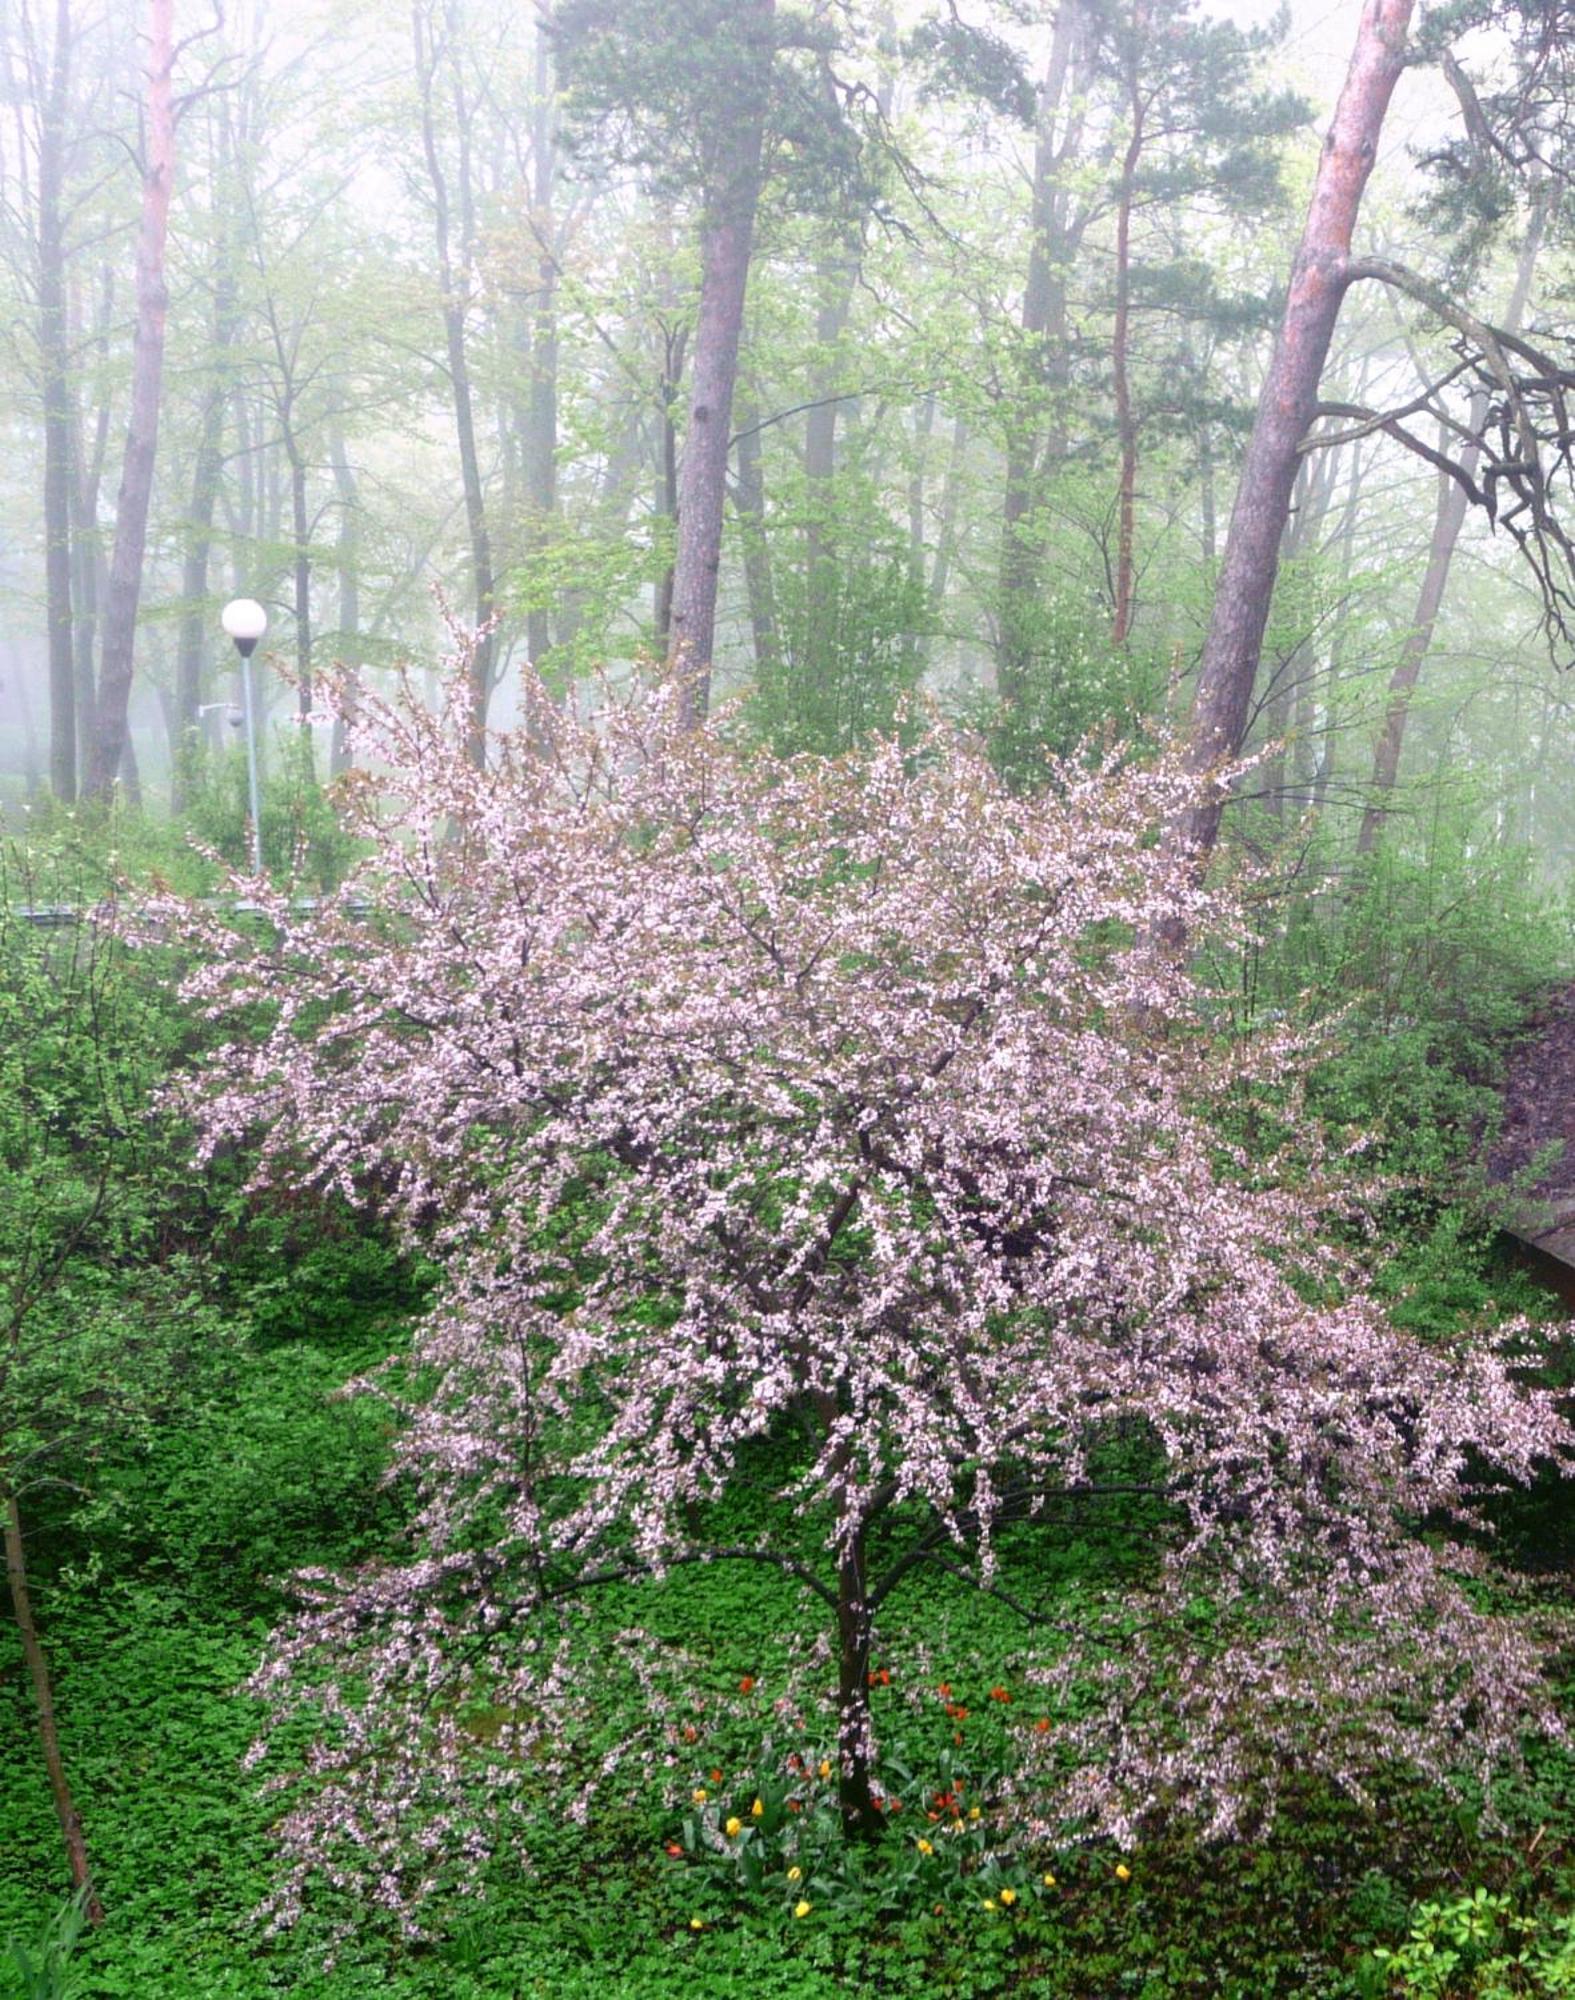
[
  {"x": 541, "y": 410},
  {"x": 89, "y": 571},
  {"x": 44, "y": 1701},
  {"x": 1047, "y": 362},
  {"x": 454, "y": 279},
  {"x": 946, "y": 533},
  {"x": 147, "y": 371},
  {"x": 727, "y": 235},
  {"x": 750, "y": 501},
  {"x": 860, "y": 1819},
  {"x": 1120, "y": 356},
  {"x": 1285, "y": 410},
  {"x": 1310, "y": 503},
  {"x": 192, "y": 652},
  {"x": 301, "y": 574},
  {"x": 836, "y": 276},
  {"x": 347, "y": 558},
  {"x": 1448, "y": 519},
  {"x": 674, "y": 343},
  {"x": 53, "y": 343}
]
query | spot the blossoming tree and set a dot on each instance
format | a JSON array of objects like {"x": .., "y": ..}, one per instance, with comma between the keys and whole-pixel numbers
[{"x": 831, "y": 1105}]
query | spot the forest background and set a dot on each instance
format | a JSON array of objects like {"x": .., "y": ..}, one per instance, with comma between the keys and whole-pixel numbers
[{"x": 857, "y": 362}]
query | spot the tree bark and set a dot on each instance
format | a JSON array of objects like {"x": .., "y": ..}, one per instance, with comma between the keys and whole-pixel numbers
[
  {"x": 541, "y": 409},
  {"x": 860, "y": 1819},
  {"x": 1047, "y": 360},
  {"x": 675, "y": 341},
  {"x": 44, "y": 1702},
  {"x": 750, "y": 502},
  {"x": 89, "y": 570},
  {"x": 53, "y": 343},
  {"x": 1120, "y": 350},
  {"x": 1285, "y": 409},
  {"x": 192, "y": 654},
  {"x": 347, "y": 559},
  {"x": 147, "y": 372},
  {"x": 1448, "y": 519},
  {"x": 453, "y": 277},
  {"x": 301, "y": 574},
  {"x": 836, "y": 275},
  {"x": 727, "y": 236}
]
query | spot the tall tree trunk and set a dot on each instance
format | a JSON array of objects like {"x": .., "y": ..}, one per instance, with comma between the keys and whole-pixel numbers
[
  {"x": 1120, "y": 350},
  {"x": 1310, "y": 505},
  {"x": 453, "y": 277},
  {"x": 750, "y": 500},
  {"x": 192, "y": 649},
  {"x": 301, "y": 575},
  {"x": 854, "y": 1735},
  {"x": 1285, "y": 410},
  {"x": 1207, "y": 526},
  {"x": 1046, "y": 360},
  {"x": 836, "y": 276},
  {"x": 541, "y": 409},
  {"x": 347, "y": 561},
  {"x": 147, "y": 371},
  {"x": 53, "y": 343},
  {"x": 1448, "y": 519},
  {"x": 44, "y": 1703},
  {"x": 674, "y": 345},
  {"x": 946, "y": 534},
  {"x": 89, "y": 570},
  {"x": 727, "y": 236}
]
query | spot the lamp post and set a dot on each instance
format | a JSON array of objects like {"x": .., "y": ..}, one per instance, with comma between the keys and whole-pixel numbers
[{"x": 244, "y": 619}]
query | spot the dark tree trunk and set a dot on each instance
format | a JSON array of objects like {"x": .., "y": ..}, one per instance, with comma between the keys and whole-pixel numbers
[
  {"x": 1448, "y": 519},
  {"x": 727, "y": 235},
  {"x": 53, "y": 342},
  {"x": 1285, "y": 409},
  {"x": 44, "y": 1703},
  {"x": 147, "y": 371},
  {"x": 860, "y": 1818}
]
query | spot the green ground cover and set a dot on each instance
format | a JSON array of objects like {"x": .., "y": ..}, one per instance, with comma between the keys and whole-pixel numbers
[{"x": 156, "y": 1601}]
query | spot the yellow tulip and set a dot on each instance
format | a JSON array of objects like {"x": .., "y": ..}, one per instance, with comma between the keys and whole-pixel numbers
[
  {"x": 1008, "y": 1897},
  {"x": 697, "y": 1923},
  {"x": 973, "y": 1812},
  {"x": 802, "y": 1909},
  {"x": 1049, "y": 1881},
  {"x": 734, "y": 1828},
  {"x": 698, "y": 1796},
  {"x": 1123, "y": 1872},
  {"x": 925, "y": 1847},
  {"x": 794, "y": 1874},
  {"x": 989, "y": 1902},
  {"x": 757, "y": 1808},
  {"x": 825, "y": 1767}
]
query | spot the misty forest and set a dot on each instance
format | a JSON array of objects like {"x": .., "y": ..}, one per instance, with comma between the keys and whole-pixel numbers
[{"x": 787, "y": 999}]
